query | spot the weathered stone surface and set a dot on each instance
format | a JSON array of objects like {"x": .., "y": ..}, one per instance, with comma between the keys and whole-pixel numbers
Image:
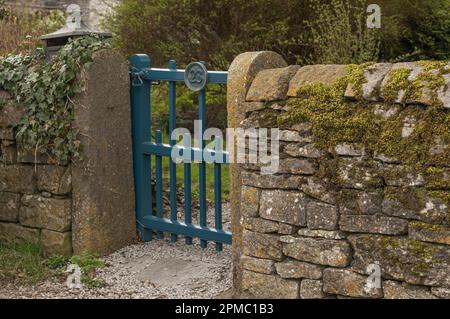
[
  {"x": 348, "y": 283},
  {"x": 429, "y": 233},
  {"x": 293, "y": 136},
  {"x": 437, "y": 179},
  {"x": 49, "y": 213},
  {"x": 5, "y": 95},
  {"x": 317, "y": 189},
  {"x": 386, "y": 159},
  {"x": 10, "y": 114},
  {"x": 17, "y": 179},
  {"x": 286, "y": 229},
  {"x": 271, "y": 181},
  {"x": 358, "y": 175},
  {"x": 284, "y": 206},
  {"x": 259, "y": 225},
  {"x": 311, "y": 289},
  {"x": 386, "y": 111},
  {"x": 396, "y": 175},
  {"x": 241, "y": 73},
  {"x": 9, "y": 207},
  {"x": 347, "y": 149},
  {"x": 56, "y": 242},
  {"x": 319, "y": 233},
  {"x": 403, "y": 259},
  {"x": 267, "y": 286},
  {"x": 263, "y": 266},
  {"x": 300, "y": 150},
  {"x": 325, "y": 74},
  {"x": 396, "y": 290},
  {"x": 354, "y": 202},
  {"x": 296, "y": 166},
  {"x": 414, "y": 203},
  {"x": 444, "y": 92},
  {"x": 296, "y": 270},
  {"x": 254, "y": 106},
  {"x": 15, "y": 232},
  {"x": 441, "y": 292},
  {"x": 271, "y": 84},
  {"x": 261, "y": 245},
  {"x": 375, "y": 224},
  {"x": 322, "y": 216},
  {"x": 25, "y": 156},
  {"x": 250, "y": 201},
  {"x": 318, "y": 251},
  {"x": 374, "y": 75},
  {"x": 8, "y": 153},
  {"x": 7, "y": 134},
  {"x": 102, "y": 183},
  {"x": 54, "y": 179}
]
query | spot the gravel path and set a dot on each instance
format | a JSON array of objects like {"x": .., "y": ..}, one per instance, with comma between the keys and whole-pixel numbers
[{"x": 157, "y": 269}]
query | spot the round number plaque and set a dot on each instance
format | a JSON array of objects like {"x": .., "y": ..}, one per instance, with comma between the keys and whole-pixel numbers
[{"x": 196, "y": 76}]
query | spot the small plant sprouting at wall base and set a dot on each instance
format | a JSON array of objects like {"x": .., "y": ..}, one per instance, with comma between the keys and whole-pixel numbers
[
  {"x": 88, "y": 265},
  {"x": 45, "y": 90}
]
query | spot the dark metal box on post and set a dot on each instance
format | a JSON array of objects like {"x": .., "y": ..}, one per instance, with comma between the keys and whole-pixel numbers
[{"x": 75, "y": 27}]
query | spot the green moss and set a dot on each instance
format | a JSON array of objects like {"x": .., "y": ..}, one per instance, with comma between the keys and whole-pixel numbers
[
  {"x": 428, "y": 227},
  {"x": 437, "y": 179},
  {"x": 398, "y": 80},
  {"x": 355, "y": 76},
  {"x": 442, "y": 195},
  {"x": 412, "y": 198}
]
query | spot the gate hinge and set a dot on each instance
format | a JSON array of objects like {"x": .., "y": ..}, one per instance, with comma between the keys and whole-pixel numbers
[{"x": 136, "y": 77}]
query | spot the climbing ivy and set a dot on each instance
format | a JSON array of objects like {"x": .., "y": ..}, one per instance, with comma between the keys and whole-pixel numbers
[{"x": 45, "y": 90}]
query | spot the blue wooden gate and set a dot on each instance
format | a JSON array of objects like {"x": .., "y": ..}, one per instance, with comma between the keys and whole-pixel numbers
[{"x": 150, "y": 218}]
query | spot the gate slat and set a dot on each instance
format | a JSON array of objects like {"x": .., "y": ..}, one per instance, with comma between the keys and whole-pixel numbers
[
  {"x": 202, "y": 164},
  {"x": 172, "y": 168},
  {"x": 159, "y": 183},
  {"x": 187, "y": 193}
]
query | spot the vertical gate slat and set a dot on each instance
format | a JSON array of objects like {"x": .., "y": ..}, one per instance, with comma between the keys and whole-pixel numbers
[
  {"x": 173, "y": 168},
  {"x": 159, "y": 182},
  {"x": 141, "y": 119},
  {"x": 187, "y": 192},
  {"x": 202, "y": 164},
  {"x": 218, "y": 193}
]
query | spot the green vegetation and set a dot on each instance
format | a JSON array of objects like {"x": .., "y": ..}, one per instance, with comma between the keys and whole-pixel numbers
[
  {"x": 45, "y": 89},
  {"x": 26, "y": 264},
  {"x": 23, "y": 263}
]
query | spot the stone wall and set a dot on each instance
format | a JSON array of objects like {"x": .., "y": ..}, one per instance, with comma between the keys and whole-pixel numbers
[
  {"x": 87, "y": 206},
  {"x": 317, "y": 227}
]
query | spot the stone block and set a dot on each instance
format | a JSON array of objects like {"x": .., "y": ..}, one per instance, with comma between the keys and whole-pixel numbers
[
  {"x": 318, "y": 189},
  {"x": 326, "y": 252},
  {"x": 269, "y": 286},
  {"x": 9, "y": 207},
  {"x": 322, "y": 216},
  {"x": 259, "y": 225},
  {"x": 348, "y": 283},
  {"x": 347, "y": 149},
  {"x": 291, "y": 269},
  {"x": 264, "y": 246},
  {"x": 429, "y": 233},
  {"x": 397, "y": 290},
  {"x": 401, "y": 176},
  {"x": 271, "y": 181},
  {"x": 311, "y": 289},
  {"x": 309, "y": 74},
  {"x": 354, "y": 202},
  {"x": 10, "y": 232},
  {"x": 403, "y": 259},
  {"x": 284, "y": 206},
  {"x": 358, "y": 174},
  {"x": 48, "y": 213},
  {"x": 375, "y": 224},
  {"x": 319, "y": 233},
  {"x": 374, "y": 76},
  {"x": 263, "y": 266},
  {"x": 271, "y": 84},
  {"x": 303, "y": 150},
  {"x": 250, "y": 201},
  {"x": 54, "y": 179},
  {"x": 17, "y": 179},
  {"x": 56, "y": 243},
  {"x": 297, "y": 166}
]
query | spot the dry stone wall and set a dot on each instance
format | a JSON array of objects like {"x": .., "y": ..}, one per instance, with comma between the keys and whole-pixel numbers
[
  {"x": 84, "y": 206},
  {"x": 334, "y": 210}
]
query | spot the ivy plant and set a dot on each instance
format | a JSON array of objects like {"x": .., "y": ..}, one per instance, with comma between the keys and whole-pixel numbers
[{"x": 45, "y": 90}]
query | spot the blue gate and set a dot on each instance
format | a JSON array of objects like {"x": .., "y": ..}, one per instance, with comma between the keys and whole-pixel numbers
[{"x": 150, "y": 218}]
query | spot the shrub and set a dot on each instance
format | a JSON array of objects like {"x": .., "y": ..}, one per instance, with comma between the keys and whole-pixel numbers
[{"x": 20, "y": 32}]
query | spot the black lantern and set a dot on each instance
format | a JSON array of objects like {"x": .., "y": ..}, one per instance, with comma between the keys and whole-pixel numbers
[{"x": 74, "y": 28}]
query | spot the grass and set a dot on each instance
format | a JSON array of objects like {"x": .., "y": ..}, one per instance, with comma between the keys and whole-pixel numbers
[{"x": 26, "y": 264}]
